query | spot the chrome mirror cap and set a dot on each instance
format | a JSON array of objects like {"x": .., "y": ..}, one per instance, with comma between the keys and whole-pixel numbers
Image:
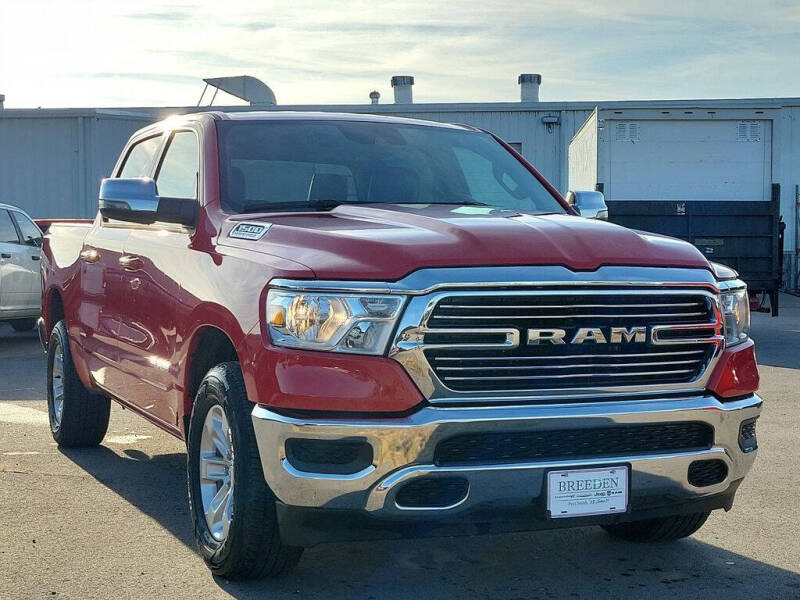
[
  {"x": 588, "y": 204},
  {"x": 135, "y": 199}
]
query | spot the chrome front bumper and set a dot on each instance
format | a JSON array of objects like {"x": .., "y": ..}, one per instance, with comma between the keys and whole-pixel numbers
[{"x": 403, "y": 450}]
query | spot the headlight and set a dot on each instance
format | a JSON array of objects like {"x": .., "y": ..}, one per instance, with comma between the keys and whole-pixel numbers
[
  {"x": 360, "y": 324},
  {"x": 736, "y": 316}
]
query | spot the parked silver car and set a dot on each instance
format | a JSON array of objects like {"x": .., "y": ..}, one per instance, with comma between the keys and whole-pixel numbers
[{"x": 20, "y": 252}]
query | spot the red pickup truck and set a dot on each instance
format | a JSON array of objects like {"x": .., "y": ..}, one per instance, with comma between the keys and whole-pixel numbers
[{"x": 373, "y": 327}]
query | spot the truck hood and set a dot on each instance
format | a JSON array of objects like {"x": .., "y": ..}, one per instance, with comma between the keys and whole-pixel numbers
[{"x": 388, "y": 242}]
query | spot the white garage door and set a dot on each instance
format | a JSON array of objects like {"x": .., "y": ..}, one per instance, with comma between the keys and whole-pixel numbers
[{"x": 689, "y": 160}]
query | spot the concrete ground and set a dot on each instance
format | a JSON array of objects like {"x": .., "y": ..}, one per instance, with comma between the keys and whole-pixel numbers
[{"x": 112, "y": 522}]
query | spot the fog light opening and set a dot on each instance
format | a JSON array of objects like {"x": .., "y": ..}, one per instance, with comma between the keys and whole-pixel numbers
[{"x": 747, "y": 435}]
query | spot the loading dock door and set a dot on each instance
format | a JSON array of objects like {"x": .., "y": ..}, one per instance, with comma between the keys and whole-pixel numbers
[{"x": 688, "y": 160}]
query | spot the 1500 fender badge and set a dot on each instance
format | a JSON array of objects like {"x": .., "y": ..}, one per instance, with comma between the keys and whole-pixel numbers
[{"x": 249, "y": 231}]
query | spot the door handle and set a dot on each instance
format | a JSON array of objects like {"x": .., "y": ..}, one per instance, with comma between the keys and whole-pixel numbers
[
  {"x": 5, "y": 255},
  {"x": 130, "y": 262},
  {"x": 90, "y": 255},
  {"x": 34, "y": 258}
]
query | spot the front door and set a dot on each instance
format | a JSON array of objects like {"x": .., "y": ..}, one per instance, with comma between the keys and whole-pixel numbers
[{"x": 157, "y": 258}]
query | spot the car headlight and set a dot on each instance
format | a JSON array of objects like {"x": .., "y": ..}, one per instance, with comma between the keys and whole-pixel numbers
[
  {"x": 736, "y": 315},
  {"x": 360, "y": 324}
]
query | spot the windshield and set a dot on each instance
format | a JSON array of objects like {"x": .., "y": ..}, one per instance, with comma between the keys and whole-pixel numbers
[{"x": 317, "y": 165}]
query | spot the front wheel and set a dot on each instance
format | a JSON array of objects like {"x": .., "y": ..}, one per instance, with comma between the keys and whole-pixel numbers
[
  {"x": 663, "y": 529},
  {"x": 77, "y": 416},
  {"x": 233, "y": 509}
]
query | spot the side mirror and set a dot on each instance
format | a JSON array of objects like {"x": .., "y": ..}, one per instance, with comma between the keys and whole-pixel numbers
[
  {"x": 136, "y": 200},
  {"x": 588, "y": 204}
]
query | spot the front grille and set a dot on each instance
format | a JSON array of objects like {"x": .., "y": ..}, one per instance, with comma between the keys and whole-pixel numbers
[
  {"x": 703, "y": 473},
  {"x": 465, "y": 336},
  {"x": 528, "y": 446}
]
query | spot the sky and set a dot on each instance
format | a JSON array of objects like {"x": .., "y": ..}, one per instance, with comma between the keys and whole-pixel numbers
[{"x": 71, "y": 53}]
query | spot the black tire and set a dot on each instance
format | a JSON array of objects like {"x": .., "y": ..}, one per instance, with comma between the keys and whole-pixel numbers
[
  {"x": 252, "y": 548},
  {"x": 663, "y": 529},
  {"x": 23, "y": 324},
  {"x": 84, "y": 415}
]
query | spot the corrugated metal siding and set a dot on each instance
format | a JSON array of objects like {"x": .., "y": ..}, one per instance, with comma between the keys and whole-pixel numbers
[
  {"x": 51, "y": 167},
  {"x": 106, "y": 138},
  {"x": 39, "y": 164}
]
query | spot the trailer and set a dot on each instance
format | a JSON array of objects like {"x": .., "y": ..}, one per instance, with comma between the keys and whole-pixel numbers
[{"x": 701, "y": 176}]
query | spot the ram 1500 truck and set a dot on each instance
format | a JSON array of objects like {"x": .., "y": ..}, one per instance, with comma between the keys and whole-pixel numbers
[{"x": 374, "y": 327}]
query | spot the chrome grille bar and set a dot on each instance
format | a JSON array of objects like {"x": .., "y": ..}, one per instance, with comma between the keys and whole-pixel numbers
[
  {"x": 571, "y": 375},
  {"x": 572, "y": 356},
  {"x": 581, "y": 366}
]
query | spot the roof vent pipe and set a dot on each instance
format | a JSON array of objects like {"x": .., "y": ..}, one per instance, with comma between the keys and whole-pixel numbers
[
  {"x": 2, "y": 99},
  {"x": 374, "y": 96},
  {"x": 529, "y": 87},
  {"x": 402, "y": 89}
]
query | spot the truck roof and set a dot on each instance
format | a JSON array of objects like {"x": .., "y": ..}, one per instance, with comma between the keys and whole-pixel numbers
[{"x": 287, "y": 115}]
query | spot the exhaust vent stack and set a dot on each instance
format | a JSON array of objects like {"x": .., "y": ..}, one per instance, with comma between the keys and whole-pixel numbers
[
  {"x": 2, "y": 100},
  {"x": 374, "y": 96},
  {"x": 529, "y": 87},
  {"x": 401, "y": 84}
]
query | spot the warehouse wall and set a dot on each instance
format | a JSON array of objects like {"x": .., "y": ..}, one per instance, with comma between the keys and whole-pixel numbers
[{"x": 52, "y": 166}]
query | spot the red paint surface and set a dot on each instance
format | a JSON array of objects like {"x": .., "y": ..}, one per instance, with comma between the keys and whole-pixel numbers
[
  {"x": 736, "y": 373},
  {"x": 123, "y": 322},
  {"x": 332, "y": 382}
]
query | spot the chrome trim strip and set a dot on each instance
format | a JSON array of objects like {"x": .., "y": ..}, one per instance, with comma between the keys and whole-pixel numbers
[
  {"x": 426, "y": 281},
  {"x": 294, "y": 472}
]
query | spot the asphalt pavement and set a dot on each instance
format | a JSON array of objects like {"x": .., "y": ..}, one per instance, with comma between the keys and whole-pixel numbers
[{"x": 112, "y": 522}]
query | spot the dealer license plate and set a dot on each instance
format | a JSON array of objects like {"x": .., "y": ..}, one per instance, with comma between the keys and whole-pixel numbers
[{"x": 583, "y": 492}]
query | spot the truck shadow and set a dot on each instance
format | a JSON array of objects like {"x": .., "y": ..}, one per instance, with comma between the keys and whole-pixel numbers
[{"x": 579, "y": 563}]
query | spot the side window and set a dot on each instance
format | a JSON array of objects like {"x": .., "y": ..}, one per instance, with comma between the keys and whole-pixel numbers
[
  {"x": 31, "y": 234},
  {"x": 139, "y": 161},
  {"x": 8, "y": 233},
  {"x": 177, "y": 177}
]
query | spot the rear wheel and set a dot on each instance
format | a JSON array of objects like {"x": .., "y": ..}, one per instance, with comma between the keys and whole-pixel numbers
[
  {"x": 664, "y": 529},
  {"x": 23, "y": 324},
  {"x": 77, "y": 417},
  {"x": 233, "y": 509}
]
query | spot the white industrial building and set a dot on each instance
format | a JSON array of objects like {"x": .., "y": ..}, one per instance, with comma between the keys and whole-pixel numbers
[{"x": 52, "y": 160}]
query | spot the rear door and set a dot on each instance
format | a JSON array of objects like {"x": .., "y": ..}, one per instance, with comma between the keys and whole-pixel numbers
[{"x": 17, "y": 271}]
